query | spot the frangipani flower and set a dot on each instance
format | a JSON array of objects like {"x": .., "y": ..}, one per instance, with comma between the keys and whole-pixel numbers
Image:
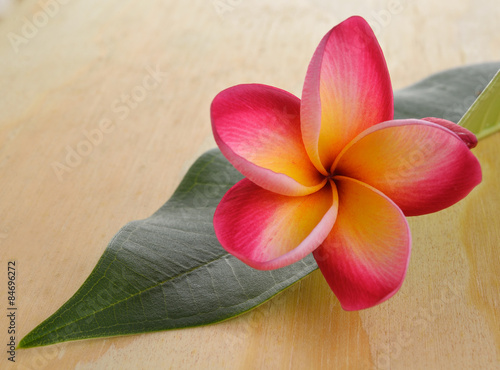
[{"x": 333, "y": 173}]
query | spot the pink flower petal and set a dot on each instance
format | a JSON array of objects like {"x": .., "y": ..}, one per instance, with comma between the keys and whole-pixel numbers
[
  {"x": 257, "y": 128},
  {"x": 267, "y": 230},
  {"x": 347, "y": 89},
  {"x": 423, "y": 167},
  {"x": 467, "y": 137},
  {"x": 365, "y": 256}
]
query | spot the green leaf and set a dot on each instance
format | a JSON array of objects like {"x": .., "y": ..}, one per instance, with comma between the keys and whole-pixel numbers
[
  {"x": 446, "y": 94},
  {"x": 169, "y": 271},
  {"x": 483, "y": 117}
]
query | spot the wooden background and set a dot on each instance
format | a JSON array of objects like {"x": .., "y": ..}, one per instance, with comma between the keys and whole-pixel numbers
[{"x": 74, "y": 67}]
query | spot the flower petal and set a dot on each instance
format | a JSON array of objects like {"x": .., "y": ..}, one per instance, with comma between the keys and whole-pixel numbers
[
  {"x": 347, "y": 89},
  {"x": 257, "y": 128},
  {"x": 423, "y": 167},
  {"x": 467, "y": 137},
  {"x": 267, "y": 230},
  {"x": 365, "y": 256}
]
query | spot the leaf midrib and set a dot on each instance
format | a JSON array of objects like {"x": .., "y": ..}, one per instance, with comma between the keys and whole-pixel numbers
[{"x": 125, "y": 299}]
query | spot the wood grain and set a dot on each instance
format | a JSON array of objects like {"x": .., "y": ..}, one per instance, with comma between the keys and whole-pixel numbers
[{"x": 70, "y": 74}]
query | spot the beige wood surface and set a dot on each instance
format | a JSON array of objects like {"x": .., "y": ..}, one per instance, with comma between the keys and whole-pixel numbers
[{"x": 71, "y": 71}]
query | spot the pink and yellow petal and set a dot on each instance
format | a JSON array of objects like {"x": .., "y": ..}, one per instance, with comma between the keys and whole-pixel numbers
[
  {"x": 365, "y": 256},
  {"x": 347, "y": 89},
  {"x": 423, "y": 167},
  {"x": 268, "y": 230},
  {"x": 257, "y": 128}
]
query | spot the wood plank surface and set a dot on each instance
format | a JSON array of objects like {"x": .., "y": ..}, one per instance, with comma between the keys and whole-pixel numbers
[{"x": 69, "y": 68}]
